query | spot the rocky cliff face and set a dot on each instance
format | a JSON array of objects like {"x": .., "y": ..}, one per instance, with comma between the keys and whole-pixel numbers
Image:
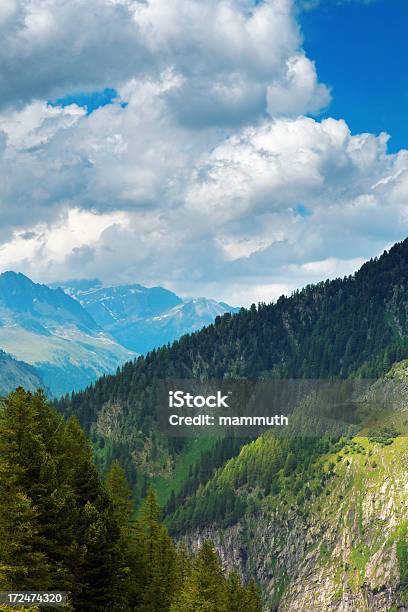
[
  {"x": 360, "y": 530},
  {"x": 347, "y": 551}
]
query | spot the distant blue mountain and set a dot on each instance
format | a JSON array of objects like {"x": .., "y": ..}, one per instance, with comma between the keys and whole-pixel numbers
[
  {"x": 51, "y": 331},
  {"x": 155, "y": 331},
  {"x": 109, "y": 305},
  {"x": 142, "y": 318},
  {"x": 37, "y": 307},
  {"x": 69, "y": 335}
]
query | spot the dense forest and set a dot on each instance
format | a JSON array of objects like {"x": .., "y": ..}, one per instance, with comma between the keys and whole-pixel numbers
[
  {"x": 64, "y": 528},
  {"x": 290, "y": 468},
  {"x": 351, "y": 327}
]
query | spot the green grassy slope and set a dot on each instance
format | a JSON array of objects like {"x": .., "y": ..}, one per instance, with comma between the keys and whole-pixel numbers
[{"x": 345, "y": 540}]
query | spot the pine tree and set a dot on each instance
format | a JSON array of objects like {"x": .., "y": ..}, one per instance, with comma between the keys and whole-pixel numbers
[
  {"x": 184, "y": 564},
  {"x": 290, "y": 464},
  {"x": 252, "y": 597},
  {"x": 137, "y": 566},
  {"x": 205, "y": 590},
  {"x": 236, "y": 593},
  {"x": 160, "y": 558},
  {"x": 100, "y": 569},
  {"x": 128, "y": 585},
  {"x": 171, "y": 506},
  {"x": 120, "y": 494},
  {"x": 22, "y": 564}
]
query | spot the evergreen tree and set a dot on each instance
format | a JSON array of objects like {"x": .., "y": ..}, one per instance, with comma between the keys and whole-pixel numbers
[
  {"x": 102, "y": 565},
  {"x": 100, "y": 568},
  {"x": 22, "y": 564},
  {"x": 129, "y": 587},
  {"x": 58, "y": 523},
  {"x": 290, "y": 464},
  {"x": 252, "y": 597},
  {"x": 242, "y": 598},
  {"x": 184, "y": 567},
  {"x": 205, "y": 590},
  {"x": 236, "y": 593},
  {"x": 160, "y": 558},
  {"x": 120, "y": 494}
]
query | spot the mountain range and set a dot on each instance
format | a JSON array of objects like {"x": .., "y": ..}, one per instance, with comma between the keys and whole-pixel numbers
[
  {"x": 72, "y": 335},
  {"x": 49, "y": 330},
  {"x": 142, "y": 318},
  {"x": 319, "y": 521}
]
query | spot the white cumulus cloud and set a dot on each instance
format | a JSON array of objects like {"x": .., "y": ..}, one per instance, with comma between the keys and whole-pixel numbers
[{"x": 212, "y": 180}]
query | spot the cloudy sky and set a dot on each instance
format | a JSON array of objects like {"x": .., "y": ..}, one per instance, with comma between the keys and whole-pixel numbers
[{"x": 195, "y": 144}]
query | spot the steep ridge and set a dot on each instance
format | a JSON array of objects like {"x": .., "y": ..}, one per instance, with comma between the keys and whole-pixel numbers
[
  {"x": 110, "y": 305},
  {"x": 36, "y": 307},
  {"x": 14, "y": 374},
  {"x": 356, "y": 325},
  {"x": 51, "y": 331},
  {"x": 343, "y": 547}
]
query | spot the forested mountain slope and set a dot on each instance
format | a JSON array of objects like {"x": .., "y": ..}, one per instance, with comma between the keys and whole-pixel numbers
[
  {"x": 329, "y": 536},
  {"x": 321, "y": 523},
  {"x": 356, "y": 325}
]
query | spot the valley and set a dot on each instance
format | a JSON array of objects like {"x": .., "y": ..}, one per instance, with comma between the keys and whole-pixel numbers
[{"x": 319, "y": 522}]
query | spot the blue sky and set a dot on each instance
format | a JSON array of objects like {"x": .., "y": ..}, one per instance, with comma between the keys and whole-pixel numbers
[
  {"x": 361, "y": 50},
  {"x": 89, "y": 100}
]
